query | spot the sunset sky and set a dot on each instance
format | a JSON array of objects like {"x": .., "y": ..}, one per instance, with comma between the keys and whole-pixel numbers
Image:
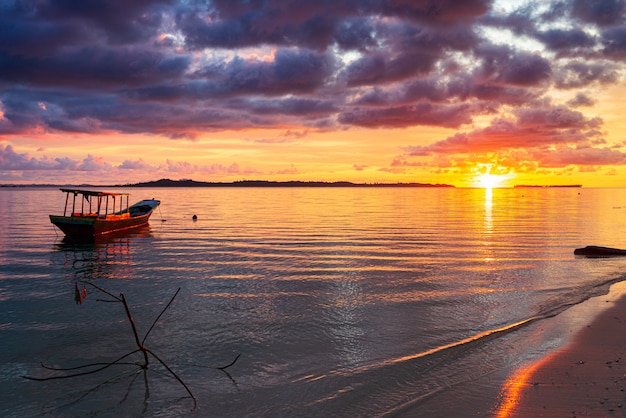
[{"x": 433, "y": 91}]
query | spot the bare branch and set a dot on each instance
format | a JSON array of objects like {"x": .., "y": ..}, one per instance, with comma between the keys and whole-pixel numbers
[
  {"x": 140, "y": 348},
  {"x": 230, "y": 364},
  {"x": 158, "y": 317},
  {"x": 102, "y": 290},
  {"x": 132, "y": 323},
  {"x": 176, "y": 377}
]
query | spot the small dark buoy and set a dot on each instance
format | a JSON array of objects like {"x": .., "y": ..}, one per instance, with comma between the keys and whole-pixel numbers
[{"x": 194, "y": 217}]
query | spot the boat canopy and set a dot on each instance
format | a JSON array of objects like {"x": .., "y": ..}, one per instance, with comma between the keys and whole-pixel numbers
[
  {"x": 98, "y": 206},
  {"x": 93, "y": 192}
]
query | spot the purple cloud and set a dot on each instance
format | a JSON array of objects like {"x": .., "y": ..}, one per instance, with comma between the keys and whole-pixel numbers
[
  {"x": 566, "y": 39},
  {"x": 12, "y": 160},
  {"x": 102, "y": 69},
  {"x": 600, "y": 12},
  {"x": 402, "y": 116},
  {"x": 614, "y": 40},
  {"x": 581, "y": 99}
]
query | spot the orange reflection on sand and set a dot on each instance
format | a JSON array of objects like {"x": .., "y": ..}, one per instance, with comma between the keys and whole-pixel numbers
[{"x": 512, "y": 390}]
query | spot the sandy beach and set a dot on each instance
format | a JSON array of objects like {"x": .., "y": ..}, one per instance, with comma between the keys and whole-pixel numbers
[{"x": 587, "y": 378}]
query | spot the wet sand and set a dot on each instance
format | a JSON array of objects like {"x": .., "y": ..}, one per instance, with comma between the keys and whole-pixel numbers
[{"x": 585, "y": 379}]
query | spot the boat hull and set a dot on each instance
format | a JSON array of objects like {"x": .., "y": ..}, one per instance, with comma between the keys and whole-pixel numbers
[{"x": 92, "y": 226}]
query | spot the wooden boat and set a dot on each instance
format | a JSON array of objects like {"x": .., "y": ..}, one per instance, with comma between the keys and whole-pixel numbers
[{"x": 89, "y": 214}]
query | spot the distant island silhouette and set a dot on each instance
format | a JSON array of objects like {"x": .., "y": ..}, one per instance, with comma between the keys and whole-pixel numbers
[
  {"x": 268, "y": 183},
  {"x": 239, "y": 183},
  {"x": 264, "y": 183}
]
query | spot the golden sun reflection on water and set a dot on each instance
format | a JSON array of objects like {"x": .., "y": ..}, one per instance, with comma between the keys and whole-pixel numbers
[
  {"x": 488, "y": 223},
  {"x": 512, "y": 390}
]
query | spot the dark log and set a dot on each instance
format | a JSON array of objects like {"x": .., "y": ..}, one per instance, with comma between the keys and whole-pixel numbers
[{"x": 596, "y": 251}]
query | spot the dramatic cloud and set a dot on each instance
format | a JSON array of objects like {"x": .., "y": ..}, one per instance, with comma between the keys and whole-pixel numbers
[
  {"x": 545, "y": 136},
  {"x": 93, "y": 168},
  {"x": 419, "y": 114},
  {"x": 179, "y": 69},
  {"x": 532, "y": 127},
  {"x": 11, "y": 160}
]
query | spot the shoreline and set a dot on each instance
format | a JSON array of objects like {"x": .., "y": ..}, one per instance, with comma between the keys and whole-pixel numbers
[{"x": 587, "y": 377}]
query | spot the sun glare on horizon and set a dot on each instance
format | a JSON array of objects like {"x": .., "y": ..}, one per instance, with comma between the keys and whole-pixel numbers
[{"x": 489, "y": 181}]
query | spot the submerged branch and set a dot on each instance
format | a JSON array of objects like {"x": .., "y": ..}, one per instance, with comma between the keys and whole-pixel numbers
[
  {"x": 92, "y": 390},
  {"x": 66, "y": 369},
  {"x": 67, "y": 376}
]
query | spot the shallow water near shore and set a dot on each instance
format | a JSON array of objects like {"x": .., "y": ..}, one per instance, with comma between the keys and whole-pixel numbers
[{"x": 340, "y": 301}]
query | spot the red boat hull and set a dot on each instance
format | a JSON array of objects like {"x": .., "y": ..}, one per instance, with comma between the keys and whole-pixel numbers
[{"x": 92, "y": 226}]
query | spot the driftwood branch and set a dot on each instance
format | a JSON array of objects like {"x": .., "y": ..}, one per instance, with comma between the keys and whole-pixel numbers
[
  {"x": 132, "y": 323},
  {"x": 103, "y": 290},
  {"x": 230, "y": 364},
  {"x": 159, "y": 316},
  {"x": 176, "y": 377},
  {"x": 140, "y": 347}
]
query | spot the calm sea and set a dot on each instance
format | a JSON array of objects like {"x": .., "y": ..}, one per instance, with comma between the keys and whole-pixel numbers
[{"x": 340, "y": 301}]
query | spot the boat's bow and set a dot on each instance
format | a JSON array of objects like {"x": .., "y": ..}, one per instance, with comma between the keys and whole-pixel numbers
[{"x": 145, "y": 207}]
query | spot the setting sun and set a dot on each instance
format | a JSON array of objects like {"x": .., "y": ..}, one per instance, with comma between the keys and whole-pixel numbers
[{"x": 489, "y": 181}]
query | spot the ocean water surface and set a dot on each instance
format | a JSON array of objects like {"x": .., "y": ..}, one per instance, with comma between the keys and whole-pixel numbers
[{"x": 338, "y": 301}]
